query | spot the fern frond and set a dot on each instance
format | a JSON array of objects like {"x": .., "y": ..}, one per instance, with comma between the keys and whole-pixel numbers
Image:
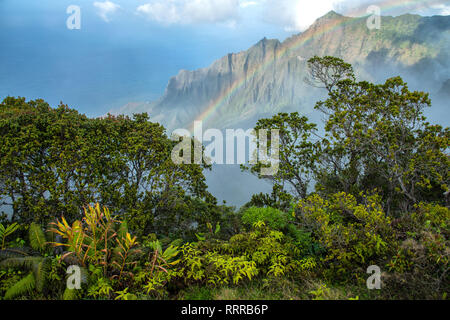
[
  {"x": 4, "y": 232},
  {"x": 41, "y": 274},
  {"x": 14, "y": 253},
  {"x": 22, "y": 287},
  {"x": 11, "y": 229},
  {"x": 37, "y": 237},
  {"x": 28, "y": 263}
]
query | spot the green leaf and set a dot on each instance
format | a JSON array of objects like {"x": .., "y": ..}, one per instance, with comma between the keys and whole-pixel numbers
[
  {"x": 37, "y": 237},
  {"x": 42, "y": 273},
  {"x": 22, "y": 287}
]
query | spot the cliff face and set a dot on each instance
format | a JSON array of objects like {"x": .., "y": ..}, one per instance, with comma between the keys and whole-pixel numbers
[{"x": 269, "y": 77}]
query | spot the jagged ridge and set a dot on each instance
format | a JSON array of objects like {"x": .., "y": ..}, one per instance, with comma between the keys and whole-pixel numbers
[{"x": 268, "y": 77}]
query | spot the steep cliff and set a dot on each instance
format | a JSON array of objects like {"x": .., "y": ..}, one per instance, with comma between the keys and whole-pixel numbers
[{"x": 269, "y": 77}]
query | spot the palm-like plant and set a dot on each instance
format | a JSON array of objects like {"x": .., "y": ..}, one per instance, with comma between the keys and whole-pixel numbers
[
  {"x": 87, "y": 241},
  {"x": 99, "y": 240}
]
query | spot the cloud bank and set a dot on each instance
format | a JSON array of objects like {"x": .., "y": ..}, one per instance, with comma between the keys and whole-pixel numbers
[
  {"x": 298, "y": 15},
  {"x": 292, "y": 15},
  {"x": 169, "y": 12},
  {"x": 106, "y": 9}
]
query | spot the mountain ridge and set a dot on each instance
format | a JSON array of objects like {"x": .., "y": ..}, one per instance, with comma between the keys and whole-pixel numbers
[{"x": 268, "y": 77}]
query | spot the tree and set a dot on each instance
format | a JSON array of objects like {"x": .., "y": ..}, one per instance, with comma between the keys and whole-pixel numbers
[
  {"x": 278, "y": 199},
  {"x": 297, "y": 154},
  {"x": 54, "y": 162},
  {"x": 326, "y": 72},
  {"x": 377, "y": 137}
]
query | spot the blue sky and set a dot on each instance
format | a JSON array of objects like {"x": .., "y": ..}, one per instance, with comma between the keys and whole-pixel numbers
[{"x": 126, "y": 50}]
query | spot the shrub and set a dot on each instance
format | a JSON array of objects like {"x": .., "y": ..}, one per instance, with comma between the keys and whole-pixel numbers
[
  {"x": 213, "y": 268},
  {"x": 273, "y": 218},
  {"x": 419, "y": 267},
  {"x": 273, "y": 252},
  {"x": 160, "y": 268},
  {"x": 354, "y": 235}
]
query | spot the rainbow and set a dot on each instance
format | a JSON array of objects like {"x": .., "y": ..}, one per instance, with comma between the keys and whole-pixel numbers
[{"x": 302, "y": 40}]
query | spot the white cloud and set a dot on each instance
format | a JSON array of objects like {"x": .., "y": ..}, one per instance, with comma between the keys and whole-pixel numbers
[
  {"x": 191, "y": 11},
  {"x": 292, "y": 15},
  {"x": 442, "y": 9},
  {"x": 395, "y": 8},
  {"x": 105, "y": 9},
  {"x": 245, "y": 4},
  {"x": 297, "y": 15}
]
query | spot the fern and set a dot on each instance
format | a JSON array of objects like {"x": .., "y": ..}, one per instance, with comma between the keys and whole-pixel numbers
[
  {"x": 4, "y": 232},
  {"x": 37, "y": 237},
  {"x": 22, "y": 287},
  {"x": 14, "y": 253},
  {"x": 40, "y": 271},
  {"x": 41, "y": 274},
  {"x": 28, "y": 263}
]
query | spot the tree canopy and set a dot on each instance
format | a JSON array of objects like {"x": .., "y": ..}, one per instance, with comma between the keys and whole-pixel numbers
[
  {"x": 54, "y": 162},
  {"x": 376, "y": 138}
]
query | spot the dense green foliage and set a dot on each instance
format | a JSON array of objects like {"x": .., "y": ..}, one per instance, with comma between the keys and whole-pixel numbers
[
  {"x": 376, "y": 138},
  {"x": 275, "y": 219},
  {"x": 103, "y": 195},
  {"x": 55, "y": 161}
]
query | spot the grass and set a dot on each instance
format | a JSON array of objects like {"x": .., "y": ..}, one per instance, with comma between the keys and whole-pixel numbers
[{"x": 280, "y": 289}]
